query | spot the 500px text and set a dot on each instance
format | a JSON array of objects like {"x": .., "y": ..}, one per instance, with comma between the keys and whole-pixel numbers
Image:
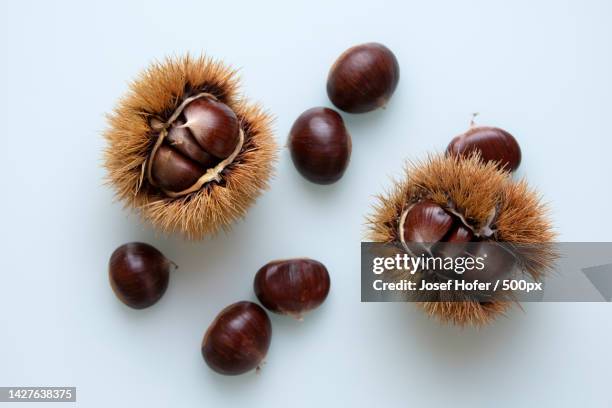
[{"x": 459, "y": 285}]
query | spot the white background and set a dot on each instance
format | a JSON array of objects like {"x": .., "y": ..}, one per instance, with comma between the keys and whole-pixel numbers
[{"x": 540, "y": 69}]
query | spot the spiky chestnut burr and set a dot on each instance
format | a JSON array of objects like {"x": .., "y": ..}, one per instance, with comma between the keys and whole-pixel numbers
[
  {"x": 450, "y": 198},
  {"x": 185, "y": 150}
]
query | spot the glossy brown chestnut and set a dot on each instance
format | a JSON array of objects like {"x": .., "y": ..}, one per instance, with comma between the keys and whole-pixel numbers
[
  {"x": 213, "y": 125},
  {"x": 173, "y": 171},
  {"x": 320, "y": 145},
  {"x": 206, "y": 132},
  {"x": 494, "y": 144},
  {"x": 181, "y": 139},
  {"x": 428, "y": 223},
  {"x": 363, "y": 78},
  {"x": 292, "y": 286},
  {"x": 139, "y": 274},
  {"x": 425, "y": 222},
  {"x": 238, "y": 339}
]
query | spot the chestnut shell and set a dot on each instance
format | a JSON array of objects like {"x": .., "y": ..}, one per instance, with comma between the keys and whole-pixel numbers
[
  {"x": 320, "y": 145},
  {"x": 292, "y": 286},
  {"x": 363, "y": 78},
  {"x": 238, "y": 339},
  {"x": 139, "y": 274}
]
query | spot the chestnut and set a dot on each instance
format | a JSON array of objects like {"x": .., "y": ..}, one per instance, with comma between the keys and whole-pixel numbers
[
  {"x": 363, "y": 78},
  {"x": 203, "y": 134},
  {"x": 139, "y": 274},
  {"x": 238, "y": 339},
  {"x": 180, "y": 138},
  {"x": 213, "y": 125},
  {"x": 494, "y": 144},
  {"x": 460, "y": 233},
  {"x": 425, "y": 222},
  {"x": 320, "y": 145},
  {"x": 292, "y": 286},
  {"x": 173, "y": 171},
  {"x": 447, "y": 236}
]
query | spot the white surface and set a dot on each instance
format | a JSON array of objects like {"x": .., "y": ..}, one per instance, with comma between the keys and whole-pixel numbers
[{"x": 540, "y": 69}]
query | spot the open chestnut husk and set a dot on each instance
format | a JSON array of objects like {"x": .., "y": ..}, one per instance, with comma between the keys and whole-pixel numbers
[
  {"x": 139, "y": 274},
  {"x": 320, "y": 145},
  {"x": 292, "y": 286},
  {"x": 363, "y": 78},
  {"x": 465, "y": 200},
  {"x": 238, "y": 339},
  {"x": 186, "y": 150},
  {"x": 492, "y": 143}
]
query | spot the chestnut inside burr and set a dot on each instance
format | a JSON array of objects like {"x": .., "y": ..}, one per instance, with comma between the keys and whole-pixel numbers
[
  {"x": 201, "y": 138},
  {"x": 427, "y": 222},
  {"x": 426, "y": 228},
  {"x": 493, "y": 144}
]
